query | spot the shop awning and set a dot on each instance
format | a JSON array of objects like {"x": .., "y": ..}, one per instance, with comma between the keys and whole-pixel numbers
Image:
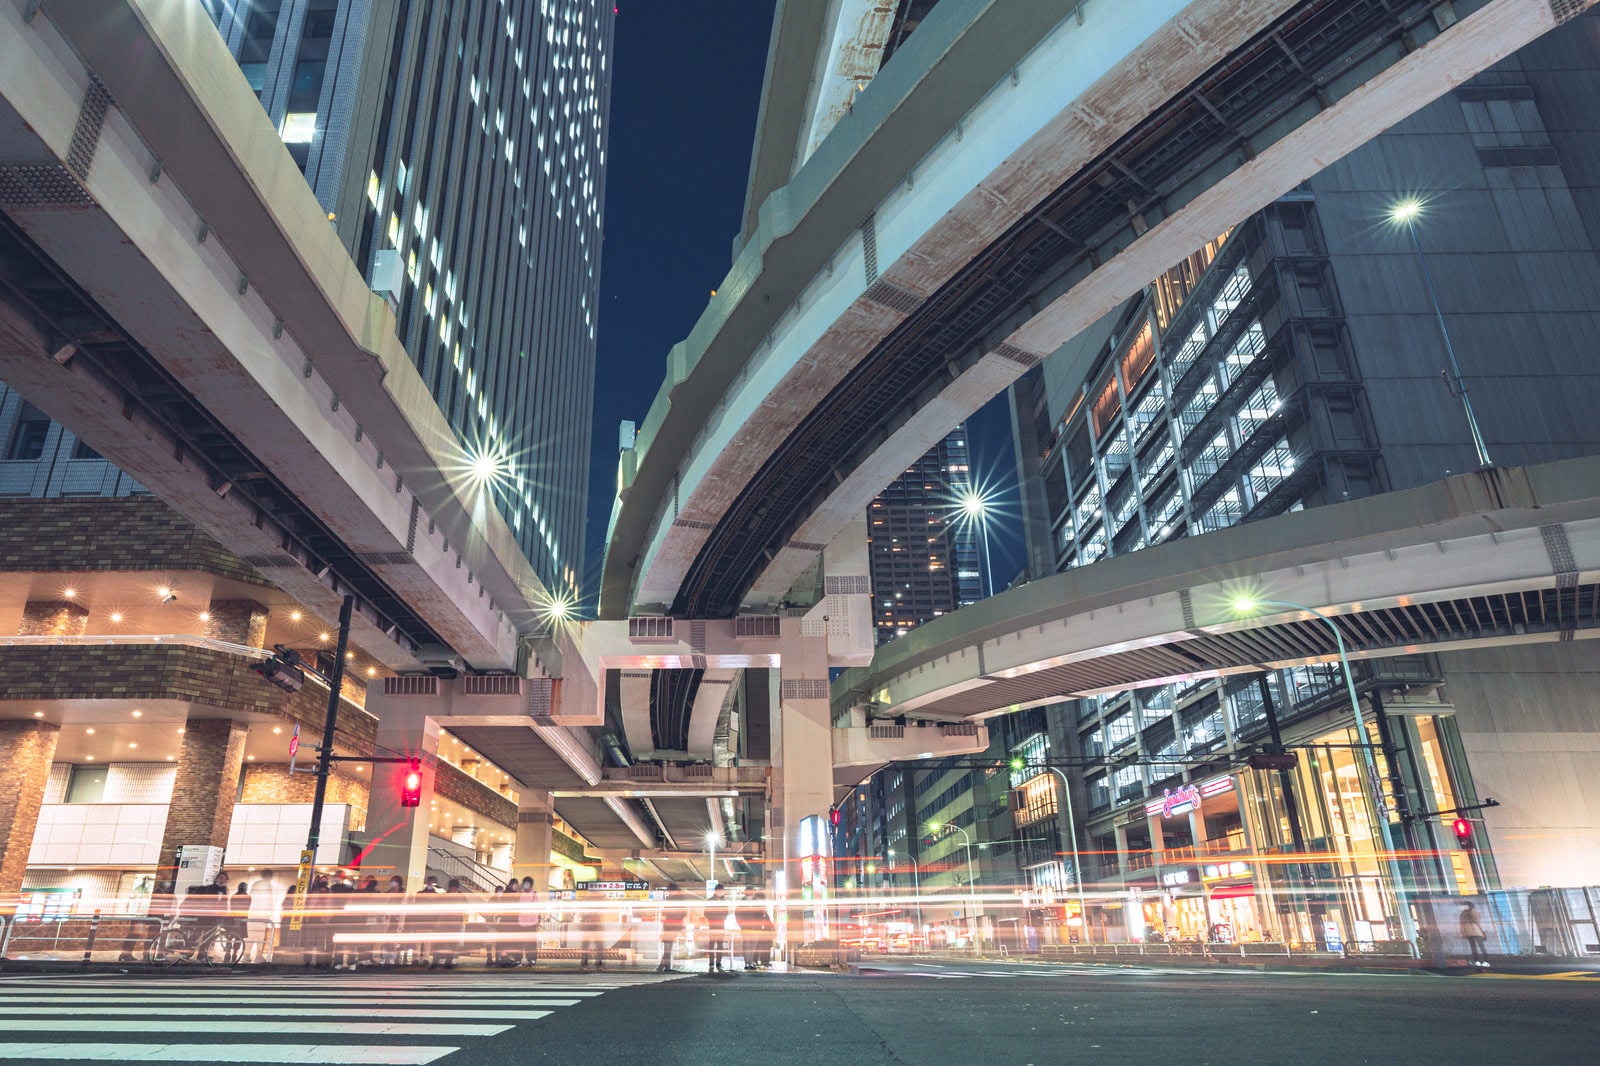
[{"x": 1233, "y": 892}]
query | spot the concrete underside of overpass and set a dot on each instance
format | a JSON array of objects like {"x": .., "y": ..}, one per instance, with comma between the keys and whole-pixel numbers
[
  {"x": 1496, "y": 557},
  {"x": 988, "y": 243},
  {"x": 175, "y": 296}
]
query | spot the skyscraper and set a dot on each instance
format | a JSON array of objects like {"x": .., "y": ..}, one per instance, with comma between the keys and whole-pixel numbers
[
  {"x": 459, "y": 149},
  {"x": 922, "y": 547}
]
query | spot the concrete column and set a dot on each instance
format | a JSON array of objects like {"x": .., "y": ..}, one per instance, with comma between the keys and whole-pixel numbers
[
  {"x": 399, "y": 835},
  {"x": 1158, "y": 838},
  {"x": 802, "y": 763},
  {"x": 535, "y": 817},
  {"x": 1197, "y": 829},
  {"x": 26, "y": 750},
  {"x": 204, "y": 789},
  {"x": 237, "y": 622}
]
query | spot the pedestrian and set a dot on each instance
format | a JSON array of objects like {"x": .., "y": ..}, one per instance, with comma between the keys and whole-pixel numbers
[
  {"x": 1472, "y": 932},
  {"x": 450, "y": 923},
  {"x": 264, "y": 915},
  {"x": 672, "y": 915},
  {"x": 393, "y": 921},
  {"x": 719, "y": 916},
  {"x": 338, "y": 921},
  {"x": 530, "y": 917},
  {"x": 590, "y": 934},
  {"x": 755, "y": 930},
  {"x": 239, "y": 914}
]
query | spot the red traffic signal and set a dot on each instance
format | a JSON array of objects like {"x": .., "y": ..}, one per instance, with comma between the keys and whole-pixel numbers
[
  {"x": 411, "y": 785},
  {"x": 833, "y": 816},
  {"x": 1463, "y": 832}
]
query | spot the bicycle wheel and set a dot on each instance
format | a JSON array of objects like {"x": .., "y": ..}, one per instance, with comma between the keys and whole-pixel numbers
[
  {"x": 231, "y": 947},
  {"x": 166, "y": 946}
]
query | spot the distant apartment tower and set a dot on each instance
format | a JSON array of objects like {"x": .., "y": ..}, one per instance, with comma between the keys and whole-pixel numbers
[
  {"x": 924, "y": 550},
  {"x": 459, "y": 149}
]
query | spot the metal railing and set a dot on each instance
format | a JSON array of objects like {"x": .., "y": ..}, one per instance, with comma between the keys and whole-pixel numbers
[{"x": 74, "y": 937}]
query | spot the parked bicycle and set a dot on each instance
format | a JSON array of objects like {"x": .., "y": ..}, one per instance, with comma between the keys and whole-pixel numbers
[{"x": 193, "y": 940}]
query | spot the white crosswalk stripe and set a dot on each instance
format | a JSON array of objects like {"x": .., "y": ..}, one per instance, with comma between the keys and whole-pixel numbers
[{"x": 403, "y": 1020}]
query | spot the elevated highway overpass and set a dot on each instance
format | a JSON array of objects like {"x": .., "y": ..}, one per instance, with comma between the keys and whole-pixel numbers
[
  {"x": 173, "y": 294},
  {"x": 1012, "y": 173},
  {"x": 1500, "y": 556}
]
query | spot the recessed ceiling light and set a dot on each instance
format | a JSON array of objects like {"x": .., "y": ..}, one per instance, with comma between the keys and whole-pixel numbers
[
  {"x": 69, "y": 593},
  {"x": 133, "y": 743},
  {"x": 38, "y": 714},
  {"x": 277, "y": 729},
  {"x": 250, "y": 758},
  {"x": 171, "y": 757},
  {"x": 294, "y": 616},
  {"x": 116, "y": 616},
  {"x": 182, "y": 729},
  {"x": 137, "y": 713},
  {"x": 323, "y": 637},
  {"x": 205, "y": 616},
  {"x": 89, "y": 758},
  {"x": 90, "y": 731},
  {"x": 372, "y": 671},
  {"x": 164, "y": 592}
]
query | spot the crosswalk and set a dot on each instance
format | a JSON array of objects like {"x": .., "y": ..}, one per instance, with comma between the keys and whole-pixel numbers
[{"x": 402, "y": 1020}]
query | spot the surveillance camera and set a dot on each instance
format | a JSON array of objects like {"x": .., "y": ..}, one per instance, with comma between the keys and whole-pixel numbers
[{"x": 169, "y": 597}]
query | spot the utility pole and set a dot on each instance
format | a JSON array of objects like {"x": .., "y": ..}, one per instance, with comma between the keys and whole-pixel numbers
[{"x": 308, "y": 857}]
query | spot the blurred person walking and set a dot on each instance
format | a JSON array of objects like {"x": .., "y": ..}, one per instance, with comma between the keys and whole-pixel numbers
[
  {"x": 672, "y": 914},
  {"x": 1473, "y": 933}
]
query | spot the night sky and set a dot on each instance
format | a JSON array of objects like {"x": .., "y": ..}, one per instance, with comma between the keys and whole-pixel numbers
[{"x": 684, "y": 98}]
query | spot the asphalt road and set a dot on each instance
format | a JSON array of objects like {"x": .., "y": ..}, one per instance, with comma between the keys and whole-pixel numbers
[{"x": 993, "y": 1014}]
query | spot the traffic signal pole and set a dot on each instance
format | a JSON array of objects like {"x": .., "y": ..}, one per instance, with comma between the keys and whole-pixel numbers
[{"x": 308, "y": 857}]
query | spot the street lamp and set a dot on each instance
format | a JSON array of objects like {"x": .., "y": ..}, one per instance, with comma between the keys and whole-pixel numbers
[
  {"x": 975, "y": 511},
  {"x": 1072, "y": 830},
  {"x": 712, "y": 840},
  {"x": 972, "y": 897},
  {"x": 1246, "y": 605},
  {"x": 916, "y": 887},
  {"x": 1405, "y": 214}
]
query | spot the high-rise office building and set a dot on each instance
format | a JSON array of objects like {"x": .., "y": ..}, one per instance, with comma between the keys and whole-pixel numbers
[
  {"x": 459, "y": 149},
  {"x": 1295, "y": 361},
  {"x": 922, "y": 544}
]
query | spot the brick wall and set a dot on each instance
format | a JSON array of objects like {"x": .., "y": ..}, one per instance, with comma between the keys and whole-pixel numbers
[
  {"x": 203, "y": 793},
  {"x": 126, "y": 533},
  {"x": 53, "y": 618},
  {"x": 26, "y": 751},
  {"x": 274, "y": 784},
  {"x": 237, "y": 622},
  {"x": 475, "y": 796},
  {"x": 173, "y": 672}
]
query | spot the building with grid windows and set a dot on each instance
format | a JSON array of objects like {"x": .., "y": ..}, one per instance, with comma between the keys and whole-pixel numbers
[
  {"x": 1297, "y": 361},
  {"x": 923, "y": 550},
  {"x": 459, "y": 149}
]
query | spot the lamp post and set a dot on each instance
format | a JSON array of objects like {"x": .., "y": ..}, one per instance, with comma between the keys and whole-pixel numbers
[
  {"x": 1408, "y": 925},
  {"x": 1077, "y": 865},
  {"x": 916, "y": 887},
  {"x": 1405, "y": 213},
  {"x": 975, "y": 509},
  {"x": 972, "y": 897},
  {"x": 712, "y": 840}
]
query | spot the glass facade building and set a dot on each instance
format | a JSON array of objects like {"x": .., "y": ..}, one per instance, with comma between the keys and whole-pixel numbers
[
  {"x": 924, "y": 549},
  {"x": 459, "y": 149}
]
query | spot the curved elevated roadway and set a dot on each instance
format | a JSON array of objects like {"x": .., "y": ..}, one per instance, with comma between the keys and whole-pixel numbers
[
  {"x": 1498, "y": 556},
  {"x": 1012, "y": 173}
]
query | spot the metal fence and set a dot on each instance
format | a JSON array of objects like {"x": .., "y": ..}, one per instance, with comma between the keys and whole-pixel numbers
[{"x": 81, "y": 937}]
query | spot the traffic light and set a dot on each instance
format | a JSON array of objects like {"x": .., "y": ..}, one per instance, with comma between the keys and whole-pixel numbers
[
  {"x": 411, "y": 785},
  {"x": 1463, "y": 831},
  {"x": 282, "y": 668},
  {"x": 834, "y": 817}
]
